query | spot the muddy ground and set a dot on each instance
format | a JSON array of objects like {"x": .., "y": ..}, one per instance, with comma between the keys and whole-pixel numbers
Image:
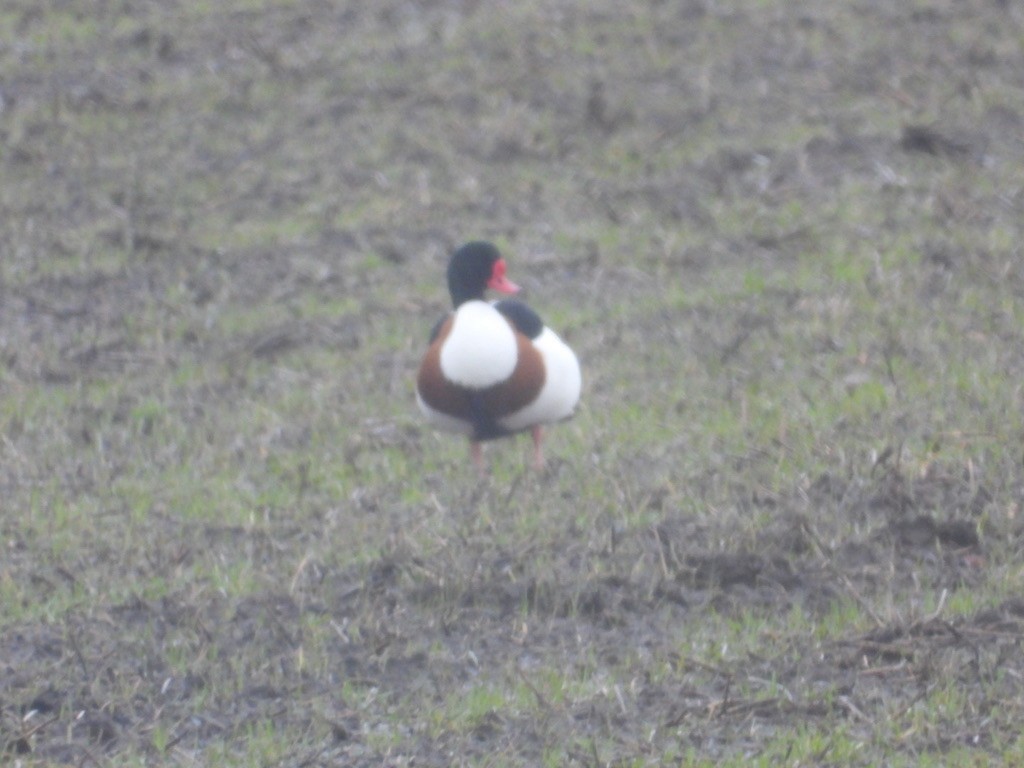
[{"x": 783, "y": 237}]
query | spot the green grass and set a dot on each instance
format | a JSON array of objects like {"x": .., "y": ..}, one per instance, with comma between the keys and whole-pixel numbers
[{"x": 225, "y": 525}]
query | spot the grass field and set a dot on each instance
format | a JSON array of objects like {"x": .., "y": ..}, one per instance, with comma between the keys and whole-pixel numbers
[{"x": 785, "y": 527}]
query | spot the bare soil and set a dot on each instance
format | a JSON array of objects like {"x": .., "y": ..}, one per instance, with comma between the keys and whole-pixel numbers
[{"x": 209, "y": 215}]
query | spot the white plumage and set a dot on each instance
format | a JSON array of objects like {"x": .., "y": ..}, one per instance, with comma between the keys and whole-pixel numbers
[
  {"x": 562, "y": 383},
  {"x": 480, "y": 350}
]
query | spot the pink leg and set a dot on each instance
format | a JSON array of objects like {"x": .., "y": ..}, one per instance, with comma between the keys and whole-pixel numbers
[
  {"x": 476, "y": 452},
  {"x": 538, "y": 450}
]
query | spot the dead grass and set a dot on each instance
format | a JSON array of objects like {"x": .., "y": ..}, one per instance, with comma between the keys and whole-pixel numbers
[{"x": 785, "y": 525}]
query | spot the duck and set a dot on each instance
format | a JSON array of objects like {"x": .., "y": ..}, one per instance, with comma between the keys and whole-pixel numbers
[{"x": 493, "y": 369}]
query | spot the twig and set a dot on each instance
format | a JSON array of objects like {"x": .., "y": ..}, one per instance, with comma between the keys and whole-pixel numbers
[
  {"x": 934, "y": 614},
  {"x": 541, "y": 699},
  {"x": 73, "y": 640},
  {"x": 661, "y": 552},
  {"x": 717, "y": 710},
  {"x": 920, "y": 696},
  {"x": 36, "y": 728},
  {"x": 853, "y": 709},
  {"x": 863, "y": 603},
  {"x": 298, "y": 572}
]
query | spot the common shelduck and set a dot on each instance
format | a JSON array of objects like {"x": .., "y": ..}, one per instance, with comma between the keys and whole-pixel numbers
[{"x": 494, "y": 369}]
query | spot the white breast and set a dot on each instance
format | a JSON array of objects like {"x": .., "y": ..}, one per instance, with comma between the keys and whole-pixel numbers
[
  {"x": 480, "y": 350},
  {"x": 562, "y": 383}
]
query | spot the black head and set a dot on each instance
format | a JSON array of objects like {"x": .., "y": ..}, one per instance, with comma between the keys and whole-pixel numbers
[{"x": 473, "y": 269}]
